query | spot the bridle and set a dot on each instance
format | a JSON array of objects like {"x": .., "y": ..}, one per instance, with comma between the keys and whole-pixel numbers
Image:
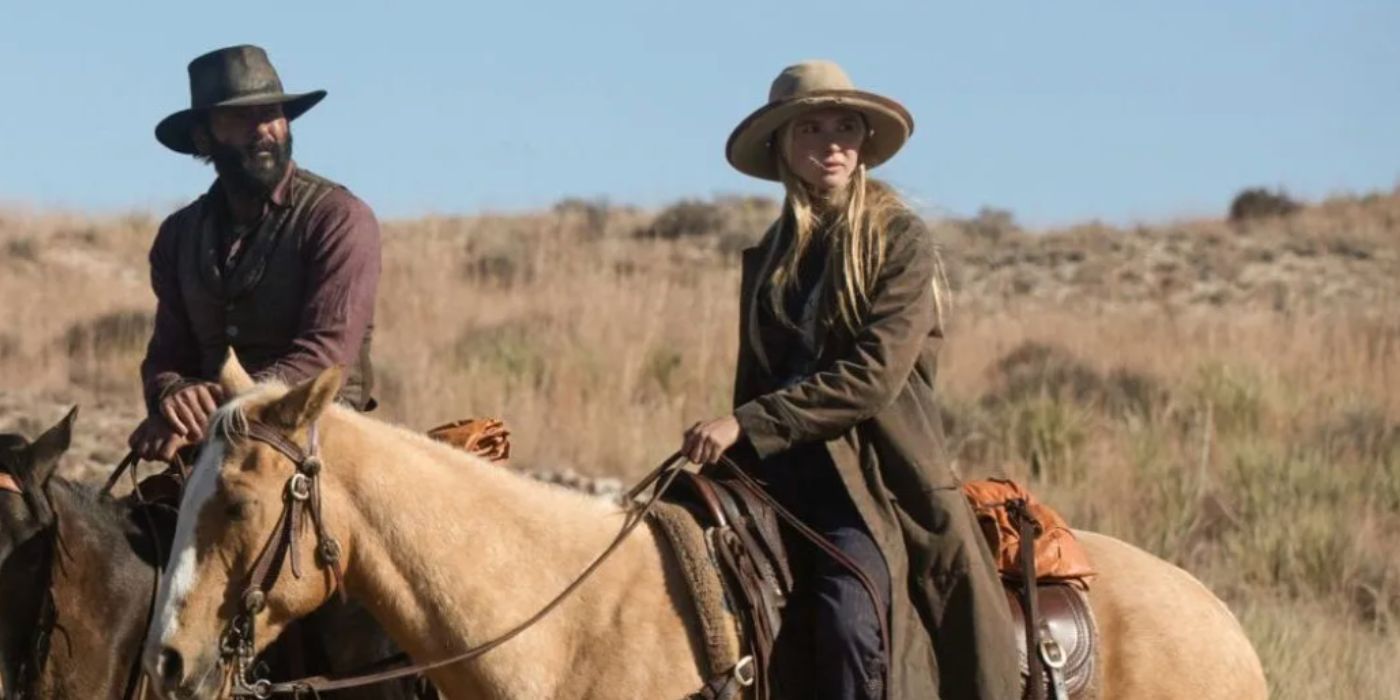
[{"x": 301, "y": 499}]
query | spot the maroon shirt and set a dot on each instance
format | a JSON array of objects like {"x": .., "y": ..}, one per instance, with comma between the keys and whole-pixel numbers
[{"x": 297, "y": 298}]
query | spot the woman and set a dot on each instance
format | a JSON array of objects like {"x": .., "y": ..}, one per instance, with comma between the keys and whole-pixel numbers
[{"x": 835, "y": 409}]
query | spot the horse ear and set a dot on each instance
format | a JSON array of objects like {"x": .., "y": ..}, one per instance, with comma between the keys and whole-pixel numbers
[
  {"x": 45, "y": 451},
  {"x": 306, "y": 401},
  {"x": 232, "y": 377}
]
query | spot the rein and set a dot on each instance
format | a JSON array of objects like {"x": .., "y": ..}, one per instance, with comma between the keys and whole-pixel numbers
[{"x": 303, "y": 493}]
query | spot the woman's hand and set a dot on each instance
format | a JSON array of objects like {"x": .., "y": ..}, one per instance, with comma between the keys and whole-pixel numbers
[{"x": 707, "y": 440}]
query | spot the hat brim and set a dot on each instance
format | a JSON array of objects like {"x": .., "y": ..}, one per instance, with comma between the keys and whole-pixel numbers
[
  {"x": 750, "y": 147},
  {"x": 173, "y": 132}
]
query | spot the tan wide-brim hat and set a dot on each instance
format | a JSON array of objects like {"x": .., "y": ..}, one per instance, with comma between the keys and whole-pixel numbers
[{"x": 808, "y": 86}]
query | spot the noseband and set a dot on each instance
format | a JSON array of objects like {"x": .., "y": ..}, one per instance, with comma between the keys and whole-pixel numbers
[{"x": 301, "y": 499}]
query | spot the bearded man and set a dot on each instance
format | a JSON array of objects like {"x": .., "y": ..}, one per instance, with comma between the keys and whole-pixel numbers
[
  {"x": 282, "y": 266},
  {"x": 273, "y": 261}
]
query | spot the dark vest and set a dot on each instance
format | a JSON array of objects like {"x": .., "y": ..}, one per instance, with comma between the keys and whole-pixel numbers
[{"x": 257, "y": 307}]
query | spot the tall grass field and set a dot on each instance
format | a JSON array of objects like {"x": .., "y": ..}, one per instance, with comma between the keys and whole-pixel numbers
[{"x": 1225, "y": 394}]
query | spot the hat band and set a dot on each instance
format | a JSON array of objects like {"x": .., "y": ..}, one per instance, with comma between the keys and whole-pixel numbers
[{"x": 226, "y": 100}]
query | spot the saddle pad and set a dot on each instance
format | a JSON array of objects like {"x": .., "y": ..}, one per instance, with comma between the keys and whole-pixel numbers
[
  {"x": 1065, "y": 611},
  {"x": 678, "y": 528}
]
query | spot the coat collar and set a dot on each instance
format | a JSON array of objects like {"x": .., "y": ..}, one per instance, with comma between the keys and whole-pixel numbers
[{"x": 758, "y": 261}]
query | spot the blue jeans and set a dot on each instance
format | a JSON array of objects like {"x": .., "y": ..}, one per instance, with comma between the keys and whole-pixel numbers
[{"x": 830, "y": 619}]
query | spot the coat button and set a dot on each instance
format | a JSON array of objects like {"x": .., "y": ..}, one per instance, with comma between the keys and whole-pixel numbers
[{"x": 231, "y": 331}]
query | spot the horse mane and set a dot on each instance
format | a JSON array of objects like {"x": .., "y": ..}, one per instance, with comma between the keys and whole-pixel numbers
[
  {"x": 230, "y": 421},
  {"x": 103, "y": 510},
  {"x": 97, "y": 515}
]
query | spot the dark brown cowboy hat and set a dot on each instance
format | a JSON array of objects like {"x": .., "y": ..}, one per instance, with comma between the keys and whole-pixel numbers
[
  {"x": 809, "y": 86},
  {"x": 237, "y": 76}
]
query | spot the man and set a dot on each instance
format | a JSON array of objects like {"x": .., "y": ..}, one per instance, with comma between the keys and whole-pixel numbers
[{"x": 276, "y": 262}]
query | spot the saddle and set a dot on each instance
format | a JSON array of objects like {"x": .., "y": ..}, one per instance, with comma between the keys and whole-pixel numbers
[
  {"x": 744, "y": 542},
  {"x": 1046, "y": 574}
]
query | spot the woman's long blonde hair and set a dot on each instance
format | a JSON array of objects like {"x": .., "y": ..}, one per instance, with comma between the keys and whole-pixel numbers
[{"x": 854, "y": 220}]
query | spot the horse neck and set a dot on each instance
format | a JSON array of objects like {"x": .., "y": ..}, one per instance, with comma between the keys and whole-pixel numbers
[
  {"x": 101, "y": 588},
  {"x": 449, "y": 547}
]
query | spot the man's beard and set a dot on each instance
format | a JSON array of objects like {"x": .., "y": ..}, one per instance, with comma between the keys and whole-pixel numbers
[{"x": 245, "y": 170}]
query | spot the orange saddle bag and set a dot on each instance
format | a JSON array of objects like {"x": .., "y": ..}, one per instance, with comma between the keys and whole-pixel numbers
[
  {"x": 483, "y": 437},
  {"x": 1058, "y": 555}
]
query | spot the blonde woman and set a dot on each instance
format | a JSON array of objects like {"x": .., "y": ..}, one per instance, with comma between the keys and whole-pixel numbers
[{"x": 836, "y": 412}]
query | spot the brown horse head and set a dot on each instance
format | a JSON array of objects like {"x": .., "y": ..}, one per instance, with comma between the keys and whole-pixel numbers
[
  {"x": 232, "y": 505},
  {"x": 26, "y": 469},
  {"x": 25, "y": 515}
]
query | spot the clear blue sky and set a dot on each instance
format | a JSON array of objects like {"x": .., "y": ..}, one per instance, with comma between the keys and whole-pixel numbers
[{"x": 1059, "y": 110}]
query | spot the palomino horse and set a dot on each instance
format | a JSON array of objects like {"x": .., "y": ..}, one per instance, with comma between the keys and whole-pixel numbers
[
  {"x": 77, "y": 583},
  {"x": 448, "y": 551}
]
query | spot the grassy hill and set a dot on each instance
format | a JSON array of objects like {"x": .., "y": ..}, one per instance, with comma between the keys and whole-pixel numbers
[{"x": 1226, "y": 395}]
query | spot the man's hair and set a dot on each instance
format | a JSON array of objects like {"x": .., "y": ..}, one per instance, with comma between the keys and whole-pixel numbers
[{"x": 200, "y": 122}]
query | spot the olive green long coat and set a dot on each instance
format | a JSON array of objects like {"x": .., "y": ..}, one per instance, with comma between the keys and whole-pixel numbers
[{"x": 872, "y": 402}]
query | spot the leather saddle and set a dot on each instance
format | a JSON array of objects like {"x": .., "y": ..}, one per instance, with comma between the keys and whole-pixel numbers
[
  {"x": 746, "y": 541},
  {"x": 1066, "y": 641}
]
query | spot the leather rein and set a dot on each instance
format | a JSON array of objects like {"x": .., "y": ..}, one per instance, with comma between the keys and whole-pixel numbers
[{"x": 302, "y": 498}]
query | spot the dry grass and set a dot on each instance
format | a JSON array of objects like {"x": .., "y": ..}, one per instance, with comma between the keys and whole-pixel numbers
[{"x": 1227, "y": 396}]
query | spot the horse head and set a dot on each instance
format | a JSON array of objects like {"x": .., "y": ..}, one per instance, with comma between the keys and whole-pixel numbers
[
  {"x": 25, "y": 514},
  {"x": 25, "y": 470},
  {"x": 246, "y": 501}
]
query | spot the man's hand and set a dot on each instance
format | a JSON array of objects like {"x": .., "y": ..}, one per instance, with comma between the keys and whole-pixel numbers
[
  {"x": 188, "y": 408},
  {"x": 707, "y": 440},
  {"x": 155, "y": 440}
]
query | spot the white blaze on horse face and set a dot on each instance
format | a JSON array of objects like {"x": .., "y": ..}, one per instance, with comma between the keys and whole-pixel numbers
[{"x": 179, "y": 578}]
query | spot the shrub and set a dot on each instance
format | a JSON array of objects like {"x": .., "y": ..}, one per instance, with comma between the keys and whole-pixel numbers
[
  {"x": 593, "y": 214},
  {"x": 110, "y": 334},
  {"x": 510, "y": 350},
  {"x": 1260, "y": 203},
  {"x": 686, "y": 219},
  {"x": 991, "y": 225}
]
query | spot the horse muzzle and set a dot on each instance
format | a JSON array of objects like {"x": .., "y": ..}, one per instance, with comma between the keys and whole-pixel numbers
[{"x": 178, "y": 677}]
